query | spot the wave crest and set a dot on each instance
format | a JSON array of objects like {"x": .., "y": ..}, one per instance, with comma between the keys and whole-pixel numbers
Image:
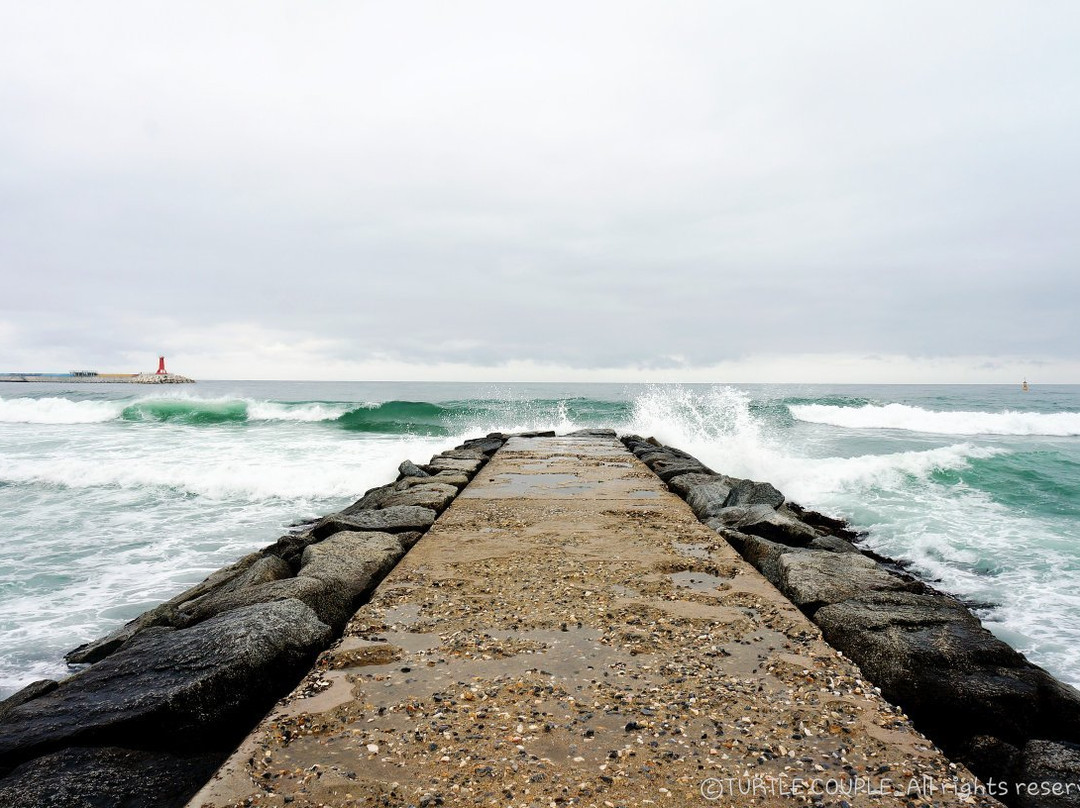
[{"x": 940, "y": 422}]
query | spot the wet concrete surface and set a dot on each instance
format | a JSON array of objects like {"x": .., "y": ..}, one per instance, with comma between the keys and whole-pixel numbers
[{"x": 569, "y": 634}]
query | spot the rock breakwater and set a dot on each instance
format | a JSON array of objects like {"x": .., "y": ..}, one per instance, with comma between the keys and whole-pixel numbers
[
  {"x": 982, "y": 702},
  {"x": 166, "y": 698}
]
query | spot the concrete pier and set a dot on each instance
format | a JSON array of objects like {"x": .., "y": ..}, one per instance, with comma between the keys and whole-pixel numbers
[{"x": 568, "y": 633}]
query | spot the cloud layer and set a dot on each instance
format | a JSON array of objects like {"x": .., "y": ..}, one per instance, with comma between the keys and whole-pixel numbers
[{"x": 266, "y": 189}]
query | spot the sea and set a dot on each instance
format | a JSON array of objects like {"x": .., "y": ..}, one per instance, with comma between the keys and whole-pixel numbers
[{"x": 113, "y": 498}]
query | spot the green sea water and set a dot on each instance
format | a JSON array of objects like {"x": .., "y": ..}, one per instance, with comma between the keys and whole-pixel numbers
[{"x": 115, "y": 497}]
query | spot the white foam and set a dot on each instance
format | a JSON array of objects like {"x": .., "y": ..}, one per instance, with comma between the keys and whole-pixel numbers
[
  {"x": 305, "y": 413},
  {"x": 940, "y": 422},
  {"x": 58, "y": 411}
]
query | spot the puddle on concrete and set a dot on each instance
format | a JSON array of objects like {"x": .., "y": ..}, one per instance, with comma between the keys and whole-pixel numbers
[
  {"x": 691, "y": 550},
  {"x": 698, "y": 581},
  {"x": 521, "y": 484}
]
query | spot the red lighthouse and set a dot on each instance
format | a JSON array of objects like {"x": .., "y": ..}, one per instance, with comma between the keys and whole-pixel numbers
[{"x": 161, "y": 365}]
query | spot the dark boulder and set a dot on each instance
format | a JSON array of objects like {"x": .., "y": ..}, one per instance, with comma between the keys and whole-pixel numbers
[
  {"x": 766, "y": 522},
  {"x": 28, "y": 693},
  {"x": 707, "y": 499},
  {"x": 373, "y": 498},
  {"x": 1048, "y": 775},
  {"x": 107, "y": 777},
  {"x": 436, "y": 496},
  {"x": 928, "y": 653},
  {"x": 815, "y": 578},
  {"x": 488, "y": 446},
  {"x": 168, "y": 688},
  {"x": 592, "y": 433},
  {"x": 394, "y": 519},
  {"x": 410, "y": 469},
  {"x": 163, "y": 615},
  {"x": 763, "y": 554},
  {"x": 682, "y": 484},
  {"x": 748, "y": 492},
  {"x": 665, "y": 468}
]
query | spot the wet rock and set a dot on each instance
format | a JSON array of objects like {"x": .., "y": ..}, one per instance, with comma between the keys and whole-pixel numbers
[
  {"x": 373, "y": 498},
  {"x": 354, "y": 562},
  {"x": 815, "y": 578},
  {"x": 763, "y": 554},
  {"x": 333, "y": 603},
  {"x": 410, "y": 469},
  {"x": 827, "y": 524},
  {"x": 466, "y": 465},
  {"x": 833, "y": 544},
  {"x": 458, "y": 479},
  {"x": 436, "y": 496},
  {"x": 1052, "y": 771},
  {"x": 163, "y": 615},
  {"x": 665, "y": 469},
  {"x": 592, "y": 433},
  {"x": 764, "y": 521},
  {"x": 488, "y": 446},
  {"x": 393, "y": 519},
  {"x": 28, "y": 693},
  {"x": 173, "y": 687},
  {"x": 549, "y": 433},
  {"x": 81, "y": 777},
  {"x": 748, "y": 492},
  {"x": 681, "y": 484},
  {"x": 931, "y": 655},
  {"x": 707, "y": 499}
]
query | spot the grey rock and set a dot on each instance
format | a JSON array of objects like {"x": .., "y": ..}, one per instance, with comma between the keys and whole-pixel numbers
[
  {"x": 462, "y": 454},
  {"x": 488, "y": 446},
  {"x": 929, "y": 654},
  {"x": 436, "y": 496},
  {"x": 373, "y": 498},
  {"x": 764, "y": 521},
  {"x": 353, "y": 562},
  {"x": 28, "y": 693},
  {"x": 82, "y": 777},
  {"x": 763, "y": 554},
  {"x": 682, "y": 483},
  {"x": 814, "y": 578},
  {"x": 410, "y": 469},
  {"x": 458, "y": 479},
  {"x": 833, "y": 544},
  {"x": 748, "y": 492},
  {"x": 666, "y": 469},
  {"x": 178, "y": 685},
  {"x": 466, "y": 465},
  {"x": 592, "y": 433},
  {"x": 707, "y": 499},
  {"x": 387, "y": 520},
  {"x": 1051, "y": 767},
  {"x": 535, "y": 433},
  {"x": 163, "y": 615},
  {"x": 330, "y": 602}
]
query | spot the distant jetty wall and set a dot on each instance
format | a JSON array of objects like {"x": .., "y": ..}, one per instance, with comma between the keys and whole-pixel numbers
[{"x": 97, "y": 378}]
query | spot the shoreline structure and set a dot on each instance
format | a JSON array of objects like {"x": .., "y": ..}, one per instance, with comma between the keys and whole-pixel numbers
[{"x": 570, "y": 631}]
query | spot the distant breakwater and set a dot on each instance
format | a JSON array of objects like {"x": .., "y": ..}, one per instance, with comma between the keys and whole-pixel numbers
[
  {"x": 977, "y": 698},
  {"x": 167, "y": 697},
  {"x": 105, "y": 378}
]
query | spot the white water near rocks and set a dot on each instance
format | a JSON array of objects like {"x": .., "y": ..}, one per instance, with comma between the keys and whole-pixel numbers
[{"x": 113, "y": 500}]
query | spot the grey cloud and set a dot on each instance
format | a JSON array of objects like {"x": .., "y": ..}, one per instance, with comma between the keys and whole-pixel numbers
[{"x": 606, "y": 185}]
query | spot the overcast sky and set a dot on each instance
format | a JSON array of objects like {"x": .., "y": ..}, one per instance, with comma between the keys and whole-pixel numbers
[{"x": 729, "y": 191}]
